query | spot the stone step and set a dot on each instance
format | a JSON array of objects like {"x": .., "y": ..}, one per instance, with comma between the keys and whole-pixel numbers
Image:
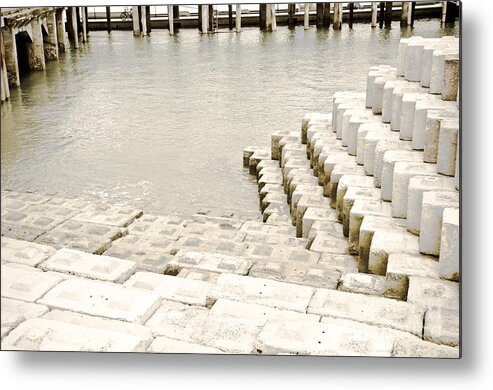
[{"x": 449, "y": 260}]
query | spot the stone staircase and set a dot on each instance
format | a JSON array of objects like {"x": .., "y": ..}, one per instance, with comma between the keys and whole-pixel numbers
[{"x": 331, "y": 268}]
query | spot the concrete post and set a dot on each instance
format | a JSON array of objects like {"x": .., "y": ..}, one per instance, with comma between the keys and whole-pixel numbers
[
  {"x": 136, "y": 20},
  {"x": 337, "y": 16},
  {"x": 60, "y": 31},
  {"x": 108, "y": 18},
  {"x": 143, "y": 20},
  {"x": 238, "y": 18},
  {"x": 205, "y": 18},
  {"x": 74, "y": 27},
  {"x": 374, "y": 13},
  {"x": 268, "y": 17},
  {"x": 291, "y": 8},
  {"x": 326, "y": 21},
  {"x": 211, "y": 17},
  {"x": 84, "y": 25},
  {"x": 86, "y": 18},
  {"x": 4, "y": 78},
  {"x": 262, "y": 17},
  {"x": 320, "y": 14},
  {"x": 35, "y": 49},
  {"x": 51, "y": 41},
  {"x": 404, "y": 13},
  {"x": 171, "y": 26},
  {"x": 274, "y": 20},
  {"x": 8, "y": 38},
  {"x": 444, "y": 11},
  {"x": 306, "y": 19},
  {"x": 148, "y": 18}
]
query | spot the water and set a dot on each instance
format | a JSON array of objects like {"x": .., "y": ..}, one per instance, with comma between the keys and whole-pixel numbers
[{"x": 160, "y": 122}]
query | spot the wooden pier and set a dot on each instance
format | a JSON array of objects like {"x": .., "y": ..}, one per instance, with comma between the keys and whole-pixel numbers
[{"x": 32, "y": 36}]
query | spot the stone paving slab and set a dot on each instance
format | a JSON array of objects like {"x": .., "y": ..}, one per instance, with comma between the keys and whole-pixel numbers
[
  {"x": 17, "y": 232},
  {"x": 442, "y": 326},
  {"x": 26, "y": 285},
  {"x": 263, "y": 291},
  {"x": 327, "y": 243},
  {"x": 198, "y": 244},
  {"x": 51, "y": 211},
  {"x": 184, "y": 290},
  {"x": 89, "y": 266},
  {"x": 341, "y": 263},
  {"x": 14, "y": 311},
  {"x": 206, "y": 261},
  {"x": 374, "y": 285},
  {"x": 298, "y": 272},
  {"x": 24, "y": 252},
  {"x": 212, "y": 232},
  {"x": 281, "y": 253},
  {"x": 368, "y": 309},
  {"x": 90, "y": 244},
  {"x": 414, "y": 347},
  {"x": 167, "y": 345},
  {"x": 431, "y": 293},
  {"x": 145, "y": 260},
  {"x": 102, "y": 299},
  {"x": 36, "y": 221},
  {"x": 259, "y": 227},
  {"x": 109, "y": 215},
  {"x": 45, "y": 335},
  {"x": 334, "y": 338},
  {"x": 197, "y": 274},
  {"x": 28, "y": 197},
  {"x": 275, "y": 239}
]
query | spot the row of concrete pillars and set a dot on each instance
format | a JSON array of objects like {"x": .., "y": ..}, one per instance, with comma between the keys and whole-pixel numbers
[{"x": 30, "y": 45}]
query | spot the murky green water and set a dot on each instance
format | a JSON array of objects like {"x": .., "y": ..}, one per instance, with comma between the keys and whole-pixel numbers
[{"x": 160, "y": 122}]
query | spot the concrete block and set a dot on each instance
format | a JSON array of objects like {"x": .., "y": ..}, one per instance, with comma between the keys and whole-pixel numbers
[
  {"x": 33, "y": 221},
  {"x": 255, "y": 158},
  {"x": 353, "y": 194},
  {"x": 331, "y": 338},
  {"x": 276, "y": 239},
  {"x": 297, "y": 272},
  {"x": 157, "y": 226},
  {"x": 263, "y": 292},
  {"x": 413, "y": 60},
  {"x": 247, "y": 153},
  {"x": 330, "y": 162},
  {"x": 102, "y": 299},
  {"x": 388, "y": 91},
  {"x": 385, "y": 243},
  {"x": 167, "y": 345},
  {"x": 390, "y": 158},
  {"x": 280, "y": 253},
  {"x": 403, "y": 171},
  {"x": 276, "y": 209},
  {"x": 275, "y": 138},
  {"x": 305, "y": 202},
  {"x": 432, "y": 131},
  {"x": 106, "y": 268},
  {"x": 451, "y": 74},
  {"x": 327, "y": 243},
  {"x": 398, "y": 108},
  {"x": 109, "y": 215},
  {"x": 447, "y": 148},
  {"x": 371, "y": 140},
  {"x": 346, "y": 118},
  {"x": 415, "y": 347},
  {"x": 332, "y": 228},
  {"x": 24, "y": 252},
  {"x": 417, "y": 186},
  {"x": 380, "y": 149},
  {"x": 378, "y": 90},
  {"x": 438, "y": 69},
  {"x": 270, "y": 188},
  {"x": 353, "y": 127},
  {"x": 313, "y": 214},
  {"x": 214, "y": 262},
  {"x": 401, "y": 267},
  {"x": 433, "y": 293},
  {"x": 18, "y": 232},
  {"x": 195, "y": 243},
  {"x": 26, "y": 285},
  {"x": 371, "y": 224},
  {"x": 341, "y": 263},
  {"x": 422, "y": 108},
  {"x": 407, "y": 109},
  {"x": 442, "y": 326},
  {"x": 362, "y": 132},
  {"x": 341, "y": 109},
  {"x": 374, "y": 285},
  {"x": 427, "y": 59},
  {"x": 340, "y": 170},
  {"x": 14, "y": 312},
  {"x": 449, "y": 261},
  {"x": 195, "y": 274},
  {"x": 360, "y": 209},
  {"x": 184, "y": 290},
  {"x": 434, "y": 202},
  {"x": 264, "y": 228},
  {"x": 313, "y": 118},
  {"x": 371, "y": 310},
  {"x": 178, "y": 321},
  {"x": 349, "y": 181}
]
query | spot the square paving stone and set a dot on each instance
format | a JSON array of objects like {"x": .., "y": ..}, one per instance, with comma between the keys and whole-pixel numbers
[
  {"x": 14, "y": 311},
  {"x": 24, "y": 252},
  {"x": 214, "y": 262},
  {"x": 109, "y": 215}
]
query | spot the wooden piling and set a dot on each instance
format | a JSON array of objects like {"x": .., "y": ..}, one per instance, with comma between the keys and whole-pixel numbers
[
  {"x": 326, "y": 19},
  {"x": 351, "y": 14},
  {"x": 291, "y": 9},
  {"x": 86, "y": 13},
  {"x": 148, "y": 18},
  {"x": 452, "y": 11},
  {"x": 83, "y": 24},
  {"x": 136, "y": 20},
  {"x": 143, "y": 20},
  {"x": 4, "y": 77},
  {"x": 337, "y": 24},
  {"x": 388, "y": 13},
  {"x": 230, "y": 16},
  {"x": 320, "y": 15},
  {"x": 413, "y": 12},
  {"x": 73, "y": 32},
  {"x": 404, "y": 13},
  {"x": 60, "y": 30},
  {"x": 108, "y": 19},
  {"x": 51, "y": 41},
  {"x": 171, "y": 25},
  {"x": 211, "y": 18},
  {"x": 274, "y": 20},
  {"x": 306, "y": 19},
  {"x": 381, "y": 15},
  {"x": 238, "y": 18},
  {"x": 35, "y": 49},
  {"x": 11, "y": 62},
  {"x": 262, "y": 17},
  {"x": 204, "y": 18},
  {"x": 374, "y": 14}
]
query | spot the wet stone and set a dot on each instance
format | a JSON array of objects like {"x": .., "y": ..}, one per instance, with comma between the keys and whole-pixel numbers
[
  {"x": 109, "y": 215},
  {"x": 24, "y": 252},
  {"x": 157, "y": 226}
]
